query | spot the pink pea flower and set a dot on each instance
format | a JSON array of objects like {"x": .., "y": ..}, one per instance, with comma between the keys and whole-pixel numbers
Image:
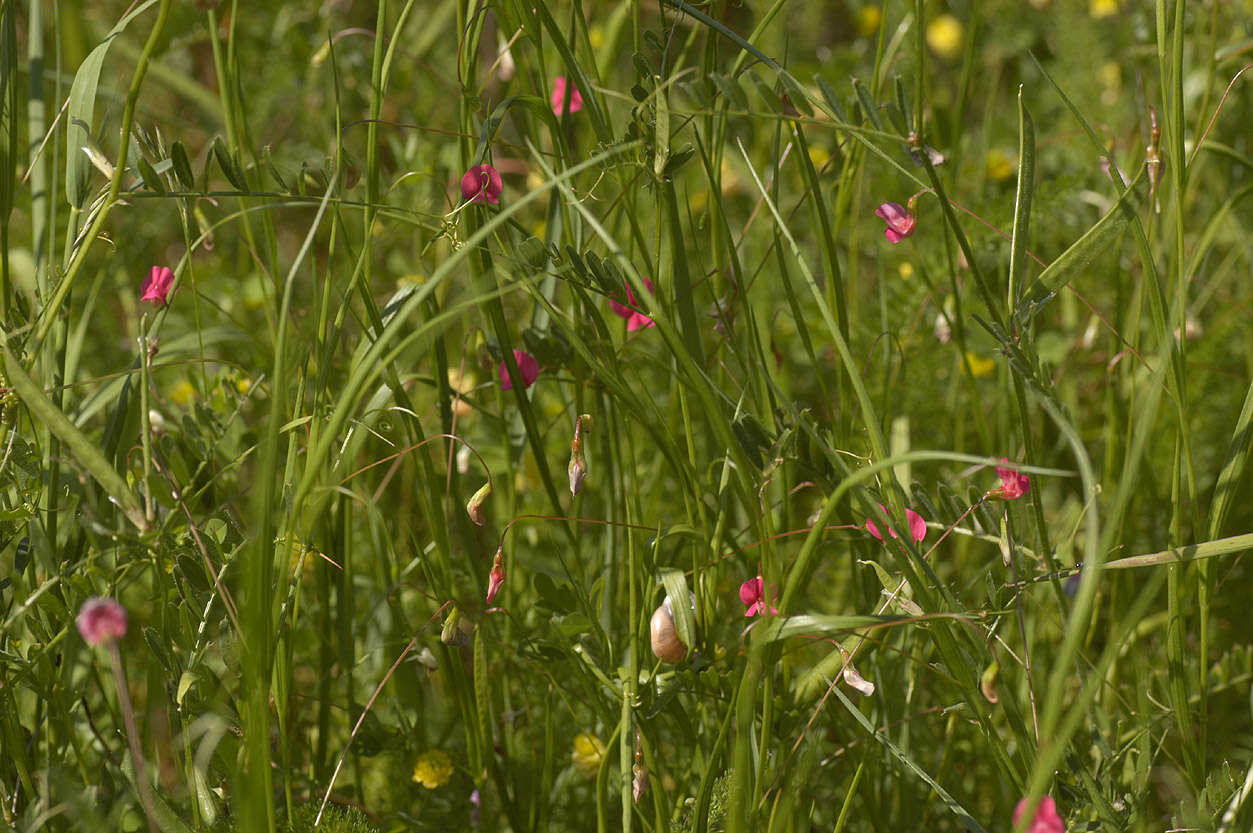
[
  {"x": 482, "y": 182},
  {"x": 753, "y": 593},
  {"x": 101, "y": 621},
  {"x": 496, "y": 578},
  {"x": 156, "y": 287},
  {"x": 1046, "y": 819},
  {"x": 917, "y": 526},
  {"x": 527, "y": 366},
  {"x": 900, "y": 221},
  {"x": 635, "y": 320},
  {"x": 1014, "y": 484},
  {"x": 558, "y": 98}
]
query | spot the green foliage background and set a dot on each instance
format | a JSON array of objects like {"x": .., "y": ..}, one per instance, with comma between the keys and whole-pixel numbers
[{"x": 271, "y": 471}]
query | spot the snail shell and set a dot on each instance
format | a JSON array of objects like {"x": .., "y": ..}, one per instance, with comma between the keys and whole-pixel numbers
[{"x": 665, "y": 640}]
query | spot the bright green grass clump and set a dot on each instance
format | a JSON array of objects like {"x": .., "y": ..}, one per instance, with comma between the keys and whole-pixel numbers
[{"x": 669, "y": 416}]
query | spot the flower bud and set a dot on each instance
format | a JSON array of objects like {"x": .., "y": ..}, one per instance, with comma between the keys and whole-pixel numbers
[
  {"x": 578, "y": 464},
  {"x": 496, "y": 578},
  {"x": 474, "y": 506}
]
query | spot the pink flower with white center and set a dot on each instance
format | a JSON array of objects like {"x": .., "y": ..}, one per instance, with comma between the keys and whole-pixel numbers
[
  {"x": 527, "y": 366},
  {"x": 101, "y": 621},
  {"x": 635, "y": 320},
  {"x": 481, "y": 183},
  {"x": 558, "y": 98},
  {"x": 900, "y": 221},
  {"x": 156, "y": 287},
  {"x": 1014, "y": 484},
  {"x": 1046, "y": 819},
  {"x": 753, "y": 594},
  {"x": 917, "y": 526}
]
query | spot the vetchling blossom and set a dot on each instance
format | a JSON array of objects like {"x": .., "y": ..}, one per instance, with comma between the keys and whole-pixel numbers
[
  {"x": 900, "y": 221},
  {"x": 101, "y": 621},
  {"x": 156, "y": 287},
  {"x": 1046, "y": 819},
  {"x": 558, "y": 98},
  {"x": 917, "y": 526},
  {"x": 482, "y": 182},
  {"x": 433, "y": 769},
  {"x": 528, "y": 367},
  {"x": 1014, "y": 484},
  {"x": 753, "y": 594},
  {"x": 635, "y": 320}
]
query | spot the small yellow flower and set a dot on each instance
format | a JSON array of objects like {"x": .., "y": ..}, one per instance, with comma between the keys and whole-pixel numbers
[
  {"x": 979, "y": 366},
  {"x": 944, "y": 36},
  {"x": 433, "y": 769},
  {"x": 183, "y": 393},
  {"x": 868, "y": 20},
  {"x": 1103, "y": 8},
  {"x": 998, "y": 166},
  {"x": 906, "y": 270},
  {"x": 587, "y": 754},
  {"x": 596, "y": 37},
  {"x": 819, "y": 156}
]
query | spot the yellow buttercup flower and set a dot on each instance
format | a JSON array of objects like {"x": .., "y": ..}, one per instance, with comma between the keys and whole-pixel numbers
[
  {"x": 868, "y": 20},
  {"x": 998, "y": 166},
  {"x": 979, "y": 366},
  {"x": 906, "y": 270},
  {"x": 587, "y": 754},
  {"x": 183, "y": 393},
  {"x": 944, "y": 36},
  {"x": 433, "y": 769},
  {"x": 1103, "y": 8}
]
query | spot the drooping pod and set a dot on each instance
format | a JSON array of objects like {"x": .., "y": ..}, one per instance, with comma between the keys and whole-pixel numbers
[{"x": 665, "y": 639}]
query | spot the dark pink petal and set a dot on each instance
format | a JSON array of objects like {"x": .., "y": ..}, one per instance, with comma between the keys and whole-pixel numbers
[
  {"x": 1014, "y": 484},
  {"x": 635, "y": 320},
  {"x": 750, "y": 591},
  {"x": 527, "y": 366},
  {"x": 1046, "y": 819},
  {"x": 481, "y": 183},
  {"x": 917, "y": 526},
  {"x": 558, "y": 98},
  {"x": 101, "y": 620},
  {"x": 899, "y": 219},
  {"x": 496, "y": 578},
  {"x": 156, "y": 287}
]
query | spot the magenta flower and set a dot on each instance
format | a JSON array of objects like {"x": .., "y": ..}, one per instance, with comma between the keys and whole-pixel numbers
[
  {"x": 917, "y": 526},
  {"x": 558, "y": 98},
  {"x": 482, "y": 182},
  {"x": 752, "y": 593},
  {"x": 635, "y": 320},
  {"x": 1014, "y": 484},
  {"x": 1046, "y": 819},
  {"x": 900, "y": 221},
  {"x": 156, "y": 287},
  {"x": 527, "y": 366},
  {"x": 101, "y": 621}
]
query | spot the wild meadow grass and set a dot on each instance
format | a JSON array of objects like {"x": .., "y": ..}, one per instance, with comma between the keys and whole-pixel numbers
[{"x": 657, "y": 416}]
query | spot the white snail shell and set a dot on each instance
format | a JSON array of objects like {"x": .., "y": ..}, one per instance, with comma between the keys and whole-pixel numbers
[{"x": 665, "y": 640}]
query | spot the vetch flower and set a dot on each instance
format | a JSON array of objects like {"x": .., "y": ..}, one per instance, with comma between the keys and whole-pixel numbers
[
  {"x": 900, "y": 221},
  {"x": 496, "y": 578},
  {"x": 1014, "y": 484},
  {"x": 635, "y": 320},
  {"x": 156, "y": 287},
  {"x": 558, "y": 98},
  {"x": 917, "y": 526},
  {"x": 433, "y": 769},
  {"x": 528, "y": 367},
  {"x": 482, "y": 182},
  {"x": 753, "y": 593},
  {"x": 101, "y": 621},
  {"x": 587, "y": 754},
  {"x": 577, "y": 469},
  {"x": 1046, "y": 819},
  {"x": 476, "y": 801}
]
